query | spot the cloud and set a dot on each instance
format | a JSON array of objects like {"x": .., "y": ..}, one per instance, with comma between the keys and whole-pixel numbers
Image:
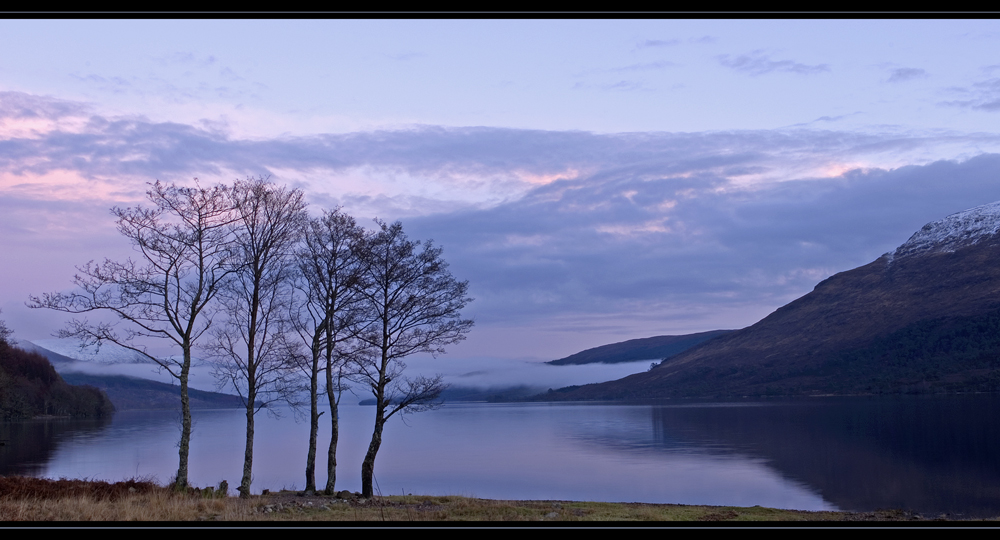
[
  {"x": 113, "y": 85},
  {"x": 19, "y": 105},
  {"x": 657, "y": 43},
  {"x": 181, "y": 77},
  {"x": 827, "y": 119},
  {"x": 757, "y": 63},
  {"x": 427, "y": 167},
  {"x": 981, "y": 96},
  {"x": 230, "y": 75},
  {"x": 607, "y": 236},
  {"x": 683, "y": 242},
  {"x": 644, "y": 66},
  {"x": 906, "y": 74},
  {"x": 185, "y": 58},
  {"x": 502, "y": 372},
  {"x": 622, "y": 85}
]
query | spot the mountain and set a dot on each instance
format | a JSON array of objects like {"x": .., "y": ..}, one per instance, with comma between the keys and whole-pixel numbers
[
  {"x": 127, "y": 392},
  {"x": 58, "y": 361},
  {"x": 654, "y": 348},
  {"x": 31, "y": 387},
  {"x": 924, "y": 318}
]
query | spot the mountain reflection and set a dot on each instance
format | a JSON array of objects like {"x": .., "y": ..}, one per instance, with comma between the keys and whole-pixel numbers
[
  {"x": 929, "y": 454},
  {"x": 27, "y": 446}
]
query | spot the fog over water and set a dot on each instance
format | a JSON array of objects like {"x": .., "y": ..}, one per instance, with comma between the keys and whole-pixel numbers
[{"x": 481, "y": 372}]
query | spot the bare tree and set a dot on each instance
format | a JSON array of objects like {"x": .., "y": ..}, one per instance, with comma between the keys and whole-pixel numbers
[
  {"x": 253, "y": 352},
  {"x": 5, "y": 334},
  {"x": 325, "y": 314},
  {"x": 184, "y": 247},
  {"x": 414, "y": 306}
]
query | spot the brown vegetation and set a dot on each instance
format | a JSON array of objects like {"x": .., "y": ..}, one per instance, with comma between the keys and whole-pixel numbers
[{"x": 32, "y": 499}]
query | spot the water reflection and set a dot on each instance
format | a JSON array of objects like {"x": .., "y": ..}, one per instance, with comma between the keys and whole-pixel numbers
[
  {"x": 930, "y": 454},
  {"x": 26, "y": 446},
  {"x": 579, "y": 451}
]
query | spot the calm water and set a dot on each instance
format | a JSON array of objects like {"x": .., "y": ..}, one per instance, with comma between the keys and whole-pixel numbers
[{"x": 928, "y": 454}]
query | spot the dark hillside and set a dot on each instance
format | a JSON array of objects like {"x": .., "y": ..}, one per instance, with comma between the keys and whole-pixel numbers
[
  {"x": 924, "y": 322},
  {"x": 654, "y": 348},
  {"x": 128, "y": 393},
  {"x": 30, "y": 386}
]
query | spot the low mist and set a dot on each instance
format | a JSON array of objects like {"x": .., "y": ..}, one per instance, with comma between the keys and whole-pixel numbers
[
  {"x": 488, "y": 373},
  {"x": 479, "y": 373}
]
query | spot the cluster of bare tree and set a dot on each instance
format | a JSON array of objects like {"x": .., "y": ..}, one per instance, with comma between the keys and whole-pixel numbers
[
  {"x": 243, "y": 273},
  {"x": 5, "y": 333}
]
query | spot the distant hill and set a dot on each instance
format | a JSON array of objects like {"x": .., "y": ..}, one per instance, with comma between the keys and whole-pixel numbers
[
  {"x": 653, "y": 348},
  {"x": 134, "y": 392},
  {"x": 924, "y": 318},
  {"x": 58, "y": 361}
]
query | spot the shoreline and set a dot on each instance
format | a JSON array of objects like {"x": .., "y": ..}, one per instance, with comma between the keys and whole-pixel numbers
[{"x": 27, "y": 499}]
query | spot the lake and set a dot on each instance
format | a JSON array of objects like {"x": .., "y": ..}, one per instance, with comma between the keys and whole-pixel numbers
[{"x": 930, "y": 454}]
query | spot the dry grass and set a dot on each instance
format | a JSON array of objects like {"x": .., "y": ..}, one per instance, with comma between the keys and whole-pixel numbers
[
  {"x": 30, "y": 499},
  {"x": 140, "y": 507},
  {"x": 454, "y": 508},
  {"x": 34, "y": 499}
]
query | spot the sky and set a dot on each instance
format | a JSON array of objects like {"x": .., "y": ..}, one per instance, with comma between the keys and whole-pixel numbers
[{"x": 594, "y": 180}]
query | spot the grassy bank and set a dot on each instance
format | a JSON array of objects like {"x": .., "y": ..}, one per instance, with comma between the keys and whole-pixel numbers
[{"x": 31, "y": 499}]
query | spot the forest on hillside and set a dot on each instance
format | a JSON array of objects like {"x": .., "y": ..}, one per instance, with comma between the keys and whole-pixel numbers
[{"x": 30, "y": 387}]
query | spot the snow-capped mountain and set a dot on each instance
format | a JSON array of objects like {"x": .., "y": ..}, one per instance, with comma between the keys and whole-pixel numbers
[
  {"x": 958, "y": 230},
  {"x": 924, "y": 318}
]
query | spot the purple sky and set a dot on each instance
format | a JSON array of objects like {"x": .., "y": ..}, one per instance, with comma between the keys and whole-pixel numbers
[{"x": 595, "y": 181}]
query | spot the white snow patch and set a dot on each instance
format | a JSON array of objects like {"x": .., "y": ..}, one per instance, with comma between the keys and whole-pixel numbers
[
  {"x": 956, "y": 231},
  {"x": 108, "y": 353}
]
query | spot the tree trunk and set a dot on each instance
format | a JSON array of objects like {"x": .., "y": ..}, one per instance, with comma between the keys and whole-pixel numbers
[
  {"x": 244, "y": 488},
  {"x": 331, "y": 456},
  {"x": 313, "y": 425},
  {"x": 368, "y": 465},
  {"x": 181, "y": 483}
]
